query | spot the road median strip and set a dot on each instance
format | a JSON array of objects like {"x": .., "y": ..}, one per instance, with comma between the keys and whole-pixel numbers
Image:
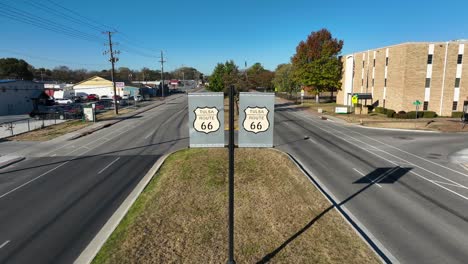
[{"x": 181, "y": 216}]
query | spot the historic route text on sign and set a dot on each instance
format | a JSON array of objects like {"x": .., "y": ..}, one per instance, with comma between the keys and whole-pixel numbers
[
  {"x": 256, "y": 119},
  {"x": 206, "y": 119}
]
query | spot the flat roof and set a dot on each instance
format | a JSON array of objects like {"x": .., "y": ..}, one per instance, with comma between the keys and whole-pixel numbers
[{"x": 461, "y": 41}]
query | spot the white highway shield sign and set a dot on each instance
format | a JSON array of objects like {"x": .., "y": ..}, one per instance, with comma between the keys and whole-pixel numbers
[
  {"x": 206, "y": 120},
  {"x": 256, "y": 119}
]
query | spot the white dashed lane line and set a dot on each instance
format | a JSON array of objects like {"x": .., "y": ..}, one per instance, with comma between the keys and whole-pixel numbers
[{"x": 4, "y": 244}]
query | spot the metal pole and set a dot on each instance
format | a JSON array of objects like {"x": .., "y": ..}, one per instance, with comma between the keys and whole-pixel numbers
[
  {"x": 231, "y": 176},
  {"x": 29, "y": 129}
]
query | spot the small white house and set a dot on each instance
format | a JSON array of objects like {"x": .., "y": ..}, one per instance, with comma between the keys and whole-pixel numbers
[{"x": 17, "y": 97}]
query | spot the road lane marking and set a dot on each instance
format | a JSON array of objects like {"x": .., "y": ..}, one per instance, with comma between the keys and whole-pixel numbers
[
  {"x": 110, "y": 164},
  {"x": 451, "y": 184},
  {"x": 381, "y": 150},
  {"x": 362, "y": 174},
  {"x": 417, "y": 174},
  {"x": 409, "y": 153},
  {"x": 149, "y": 135},
  {"x": 76, "y": 157},
  {"x": 26, "y": 183},
  {"x": 4, "y": 244}
]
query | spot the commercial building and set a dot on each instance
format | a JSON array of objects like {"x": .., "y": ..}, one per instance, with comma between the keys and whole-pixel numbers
[
  {"x": 97, "y": 85},
  {"x": 434, "y": 73},
  {"x": 18, "y": 97}
]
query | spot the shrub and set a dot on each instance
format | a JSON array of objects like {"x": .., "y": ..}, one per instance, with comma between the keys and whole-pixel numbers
[
  {"x": 380, "y": 110},
  {"x": 401, "y": 115},
  {"x": 457, "y": 114},
  {"x": 390, "y": 113},
  {"x": 429, "y": 114},
  {"x": 412, "y": 114}
]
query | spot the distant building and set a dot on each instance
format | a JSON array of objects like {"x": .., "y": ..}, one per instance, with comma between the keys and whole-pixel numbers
[
  {"x": 435, "y": 73},
  {"x": 18, "y": 97},
  {"x": 97, "y": 85}
]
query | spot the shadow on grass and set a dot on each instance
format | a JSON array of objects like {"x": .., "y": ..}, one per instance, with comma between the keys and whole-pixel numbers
[{"x": 379, "y": 175}]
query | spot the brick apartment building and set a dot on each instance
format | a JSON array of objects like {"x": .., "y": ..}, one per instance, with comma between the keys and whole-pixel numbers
[{"x": 435, "y": 73}]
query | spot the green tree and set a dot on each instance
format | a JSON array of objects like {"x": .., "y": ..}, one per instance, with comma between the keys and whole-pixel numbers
[
  {"x": 283, "y": 79},
  {"x": 258, "y": 76},
  {"x": 12, "y": 68},
  {"x": 316, "y": 63},
  {"x": 216, "y": 83}
]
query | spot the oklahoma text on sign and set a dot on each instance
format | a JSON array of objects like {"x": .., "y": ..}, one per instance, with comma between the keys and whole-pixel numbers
[
  {"x": 206, "y": 119},
  {"x": 256, "y": 119}
]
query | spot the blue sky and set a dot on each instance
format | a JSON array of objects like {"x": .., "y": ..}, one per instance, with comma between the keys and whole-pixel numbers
[{"x": 202, "y": 33}]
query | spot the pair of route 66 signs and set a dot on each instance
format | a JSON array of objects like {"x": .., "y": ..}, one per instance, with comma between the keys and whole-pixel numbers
[{"x": 206, "y": 119}]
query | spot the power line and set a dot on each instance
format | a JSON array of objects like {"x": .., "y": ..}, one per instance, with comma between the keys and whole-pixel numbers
[
  {"x": 28, "y": 18},
  {"x": 78, "y": 14},
  {"x": 49, "y": 59},
  {"x": 49, "y": 9}
]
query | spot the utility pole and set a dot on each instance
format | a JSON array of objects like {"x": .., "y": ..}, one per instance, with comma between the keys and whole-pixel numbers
[
  {"x": 113, "y": 60},
  {"x": 162, "y": 74}
]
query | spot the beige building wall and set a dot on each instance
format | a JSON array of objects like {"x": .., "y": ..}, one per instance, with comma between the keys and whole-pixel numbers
[{"x": 407, "y": 71}]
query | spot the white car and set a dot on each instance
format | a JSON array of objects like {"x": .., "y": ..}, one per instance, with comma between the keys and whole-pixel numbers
[
  {"x": 125, "y": 97},
  {"x": 139, "y": 98},
  {"x": 63, "y": 101}
]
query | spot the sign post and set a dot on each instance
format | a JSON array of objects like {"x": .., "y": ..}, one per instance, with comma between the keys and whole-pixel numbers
[
  {"x": 417, "y": 103},
  {"x": 231, "y": 176},
  {"x": 206, "y": 129},
  {"x": 354, "y": 100}
]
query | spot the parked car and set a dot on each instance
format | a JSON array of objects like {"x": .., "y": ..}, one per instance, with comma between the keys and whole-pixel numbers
[
  {"x": 92, "y": 97},
  {"x": 105, "y": 97},
  {"x": 139, "y": 98},
  {"x": 62, "y": 101},
  {"x": 125, "y": 96},
  {"x": 117, "y": 97}
]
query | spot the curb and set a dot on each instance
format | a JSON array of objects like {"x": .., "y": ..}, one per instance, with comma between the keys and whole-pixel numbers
[
  {"x": 93, "y": 248},
  {"x": 116, "y": 121},
  {"x": 382, "y": 252},
  {"x": 397, "y": 129},
  {"x": 12, "y": 160}
]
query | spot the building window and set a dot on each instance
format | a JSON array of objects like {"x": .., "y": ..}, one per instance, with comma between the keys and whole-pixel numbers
[
  {"x": 428, "y": 82},
  {"x": 374, "y": 62},
  {"x": 425, "y": 106},
  {"x": 457, "y": 82},
  {"x": 429, "y": 59},
  {"x": 460, "y": 59},
  {"x": 386, "y": 61},
  {"x": 372, "y": 82},
  {"x": 454, "y": 106},
  {"x": 385, "y": 82},
  {"x": 363, "y": 64},
  {"x": 362, "y": 83}
]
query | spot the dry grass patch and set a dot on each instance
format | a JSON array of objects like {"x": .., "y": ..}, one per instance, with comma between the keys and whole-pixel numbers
[
  {"x": 181, "y": 217},
  {"x": 51, "y": 132}
]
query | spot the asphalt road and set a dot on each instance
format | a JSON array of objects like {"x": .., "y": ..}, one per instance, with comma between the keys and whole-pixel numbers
[
  {"x": 400, "y": 185},
  {"x": 53, "y": 203}
]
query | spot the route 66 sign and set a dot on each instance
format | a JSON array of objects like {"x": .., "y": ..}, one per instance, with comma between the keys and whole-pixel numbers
[
  {"x": 206, "y": 119},
  {"x": 256, "y": 119}
]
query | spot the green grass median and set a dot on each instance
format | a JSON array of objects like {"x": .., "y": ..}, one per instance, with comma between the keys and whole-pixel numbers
[{"x": 181, "y": 217}]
